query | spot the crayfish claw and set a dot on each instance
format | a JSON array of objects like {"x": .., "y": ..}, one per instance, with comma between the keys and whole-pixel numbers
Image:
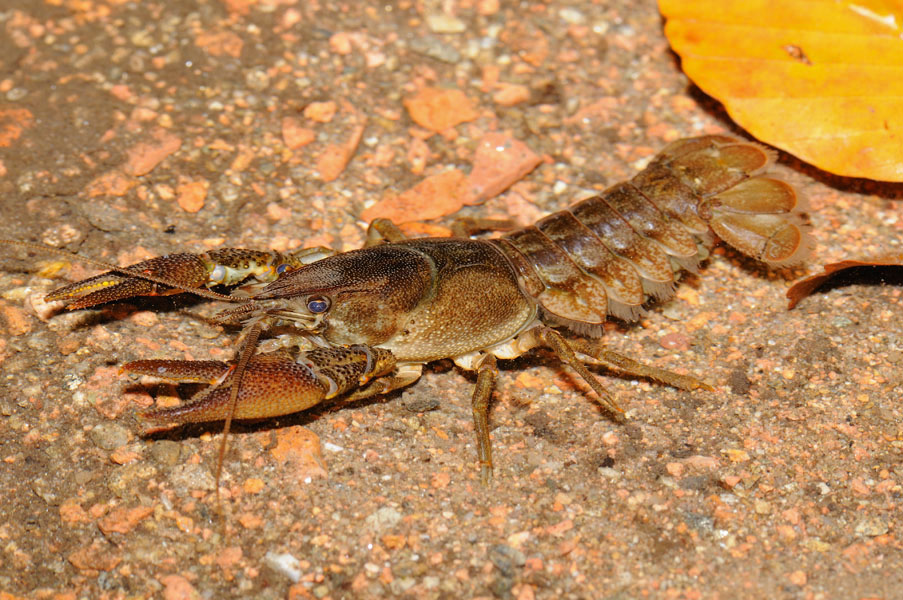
[
  {"x": 272, "y": 385},
  {"x": 185, "y": 271}
]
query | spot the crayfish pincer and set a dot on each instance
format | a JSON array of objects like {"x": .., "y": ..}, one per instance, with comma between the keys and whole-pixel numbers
[{"x": 319, "y": 325}]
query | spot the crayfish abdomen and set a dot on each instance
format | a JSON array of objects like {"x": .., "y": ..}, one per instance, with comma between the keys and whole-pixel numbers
[{"x": 608, "y": 254}]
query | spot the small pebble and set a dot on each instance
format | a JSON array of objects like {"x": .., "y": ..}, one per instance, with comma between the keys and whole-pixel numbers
[
  {"x": 675, "y": 341},
  {"x": 127, "y": 480},
  {"x": 109, "y": 436},
  {"x": 321, "y": 112},
  {"x": 436, "y": 49},
  {"x": 442, "y": 23},
  {"x": 510, "y": 94},
  {"x": 383, "y": 519},
  {"x": 285, "y": 563},
  {"x": 872, "y": 527},
  {"x": 44, "y": 488},
  {"x": 422, "y": 404},
  {"x": 506, "y": 559},
  {"x": 609, "y": 473},
  {"x": 185, "y": 478},
  {"x": 166, "y": 452},
  {"x": 257, "y": 80},
  {"x": 572, "y": 16}
]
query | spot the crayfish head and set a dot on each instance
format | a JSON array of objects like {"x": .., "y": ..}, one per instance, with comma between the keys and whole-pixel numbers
[{"x": 360, "y": 297}]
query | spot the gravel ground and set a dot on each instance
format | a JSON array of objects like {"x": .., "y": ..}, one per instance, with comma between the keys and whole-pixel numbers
[{"x": 133, "y": 129}]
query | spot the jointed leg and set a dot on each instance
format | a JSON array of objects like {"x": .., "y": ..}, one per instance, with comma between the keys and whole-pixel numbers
[
  {"x": 632, "y": 367},
  {"x": 563, "y": 349},
  {"x": 468, "y": 226},
  {"x": 566, "y": 352},
  {"x": 482, "y": 392},
  {"x": 381, "y": 231},
  {"x": 404, "y": 376}
]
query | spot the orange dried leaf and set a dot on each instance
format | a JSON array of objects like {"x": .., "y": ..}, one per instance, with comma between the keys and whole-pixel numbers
[
  {"x": 144, "y": 156},
  {"x": 500, "y": 161},
  {"x": 806, "y": 286},
  {"x": 335, "y": 157},
  {"x": 820, "y": 80},
  {"x": 111, "y": 183},
  {"x": 438, "y": 109},
  {"x": 436, "y": 196},
  {"x": 419, "y": 229}
]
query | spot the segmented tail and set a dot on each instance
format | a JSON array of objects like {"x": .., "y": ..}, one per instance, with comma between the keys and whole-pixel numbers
[
  {"x": 607, "y": 255},
  {"x": 761, "y": 216}
]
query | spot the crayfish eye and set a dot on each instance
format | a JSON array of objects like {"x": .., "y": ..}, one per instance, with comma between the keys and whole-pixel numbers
[{"x": 317, "y": 304}]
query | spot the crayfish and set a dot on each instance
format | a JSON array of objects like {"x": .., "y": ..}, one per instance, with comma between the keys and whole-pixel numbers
[{"x": 319, "y": 324}]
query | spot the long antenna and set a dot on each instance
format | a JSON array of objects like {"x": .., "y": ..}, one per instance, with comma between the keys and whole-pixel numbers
[{"x": 244, "y": 356}]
